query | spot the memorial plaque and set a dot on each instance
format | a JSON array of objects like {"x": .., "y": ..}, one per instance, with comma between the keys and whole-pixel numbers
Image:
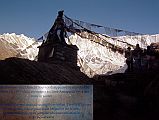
[{"x": 46, "y": 102}]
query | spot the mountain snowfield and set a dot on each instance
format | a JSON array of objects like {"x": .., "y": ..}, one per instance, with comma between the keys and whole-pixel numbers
[
  {"x": 23, "y": 46},
  {"x": 96, "y": 59},
  {"x": 142, "y": 40},
  {"x": 93, "y": 59}
]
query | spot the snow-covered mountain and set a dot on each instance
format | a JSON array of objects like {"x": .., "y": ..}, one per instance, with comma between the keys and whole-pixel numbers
[
  {"x": 96, "y": 59},
  {"x": 12, "y": 45},
  {"x": 93, "y": 58}
]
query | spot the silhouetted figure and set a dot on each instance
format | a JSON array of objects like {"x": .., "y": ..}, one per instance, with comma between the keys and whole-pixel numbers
[
  {"x": 137, "y": 55},
  {"x": 129, "y": 59},
  {"x": 149, "y": 56}
]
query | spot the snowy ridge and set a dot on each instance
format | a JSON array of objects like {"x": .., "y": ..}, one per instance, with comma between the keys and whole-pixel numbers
[
  {"x": 96, "y": 59},
  {"x": 142, "y": 40},
  {"x": 123, "y": 41},
  {"x": 19, "y": 40},
  {"x": 25, "y": 47}
]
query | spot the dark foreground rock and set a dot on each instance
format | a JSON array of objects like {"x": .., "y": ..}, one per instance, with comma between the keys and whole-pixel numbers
[
  {"x": 23, "y": 71},
  {"x": 127, "y": 96}
]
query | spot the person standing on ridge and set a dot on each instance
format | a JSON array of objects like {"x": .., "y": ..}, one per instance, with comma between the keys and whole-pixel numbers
[
  {"x": 137, "y": 55},
  {"x": 129, "y": 59}
]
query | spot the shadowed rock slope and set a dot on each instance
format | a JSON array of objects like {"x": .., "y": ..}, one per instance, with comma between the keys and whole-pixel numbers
[{"x": 23, "y": 71}]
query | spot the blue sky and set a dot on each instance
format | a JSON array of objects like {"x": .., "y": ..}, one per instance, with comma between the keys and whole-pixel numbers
[{"x": 35, "y": 17}]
